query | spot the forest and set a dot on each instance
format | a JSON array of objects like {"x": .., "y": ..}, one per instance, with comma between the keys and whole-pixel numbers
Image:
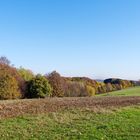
[{"x": 21, "y": 83}]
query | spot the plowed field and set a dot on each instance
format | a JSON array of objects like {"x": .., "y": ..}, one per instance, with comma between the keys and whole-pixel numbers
[{"x": 38, "y": 106}]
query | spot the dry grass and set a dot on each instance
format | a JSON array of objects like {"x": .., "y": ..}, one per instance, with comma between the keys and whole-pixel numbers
[{"x": 37, "y": 106}]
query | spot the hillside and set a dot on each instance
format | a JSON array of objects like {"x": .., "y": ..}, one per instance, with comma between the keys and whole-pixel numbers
[{"x": 134, "y": 91}]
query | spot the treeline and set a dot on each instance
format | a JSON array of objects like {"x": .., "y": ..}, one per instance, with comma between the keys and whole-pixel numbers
[{"x": 16, "y": 83}]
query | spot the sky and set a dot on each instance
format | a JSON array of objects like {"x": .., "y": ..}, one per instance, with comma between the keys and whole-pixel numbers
[{"x": 95, "y": 38}]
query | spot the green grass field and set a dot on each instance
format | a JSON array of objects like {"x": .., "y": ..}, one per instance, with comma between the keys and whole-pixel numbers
[
  {"x": 134, "y": 91},
  {"x": 116, "y": 123},
  {"x": 122, "y": 124}
]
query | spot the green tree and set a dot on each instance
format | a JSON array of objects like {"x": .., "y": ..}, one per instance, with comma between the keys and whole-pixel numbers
[
  {"x": 39, "y": 87},
  {"x": 27, "y": 75}
]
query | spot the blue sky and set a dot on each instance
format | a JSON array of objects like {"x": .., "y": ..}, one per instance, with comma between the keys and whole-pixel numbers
[{"x": 94, "y": 38}]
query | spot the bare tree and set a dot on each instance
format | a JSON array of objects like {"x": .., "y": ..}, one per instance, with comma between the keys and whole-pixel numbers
[{"x": 4, "y": 60}]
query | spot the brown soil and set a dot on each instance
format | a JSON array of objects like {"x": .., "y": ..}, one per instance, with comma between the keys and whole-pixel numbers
[{"x": 37, "y": 106}]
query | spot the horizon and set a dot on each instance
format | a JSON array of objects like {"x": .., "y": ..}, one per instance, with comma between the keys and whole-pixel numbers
[{"x": 97, "y": 39}]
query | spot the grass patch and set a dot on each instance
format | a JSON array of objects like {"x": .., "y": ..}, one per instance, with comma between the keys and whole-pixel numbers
[
  {"x": 134, "y": 91},
  {"x": 74, "y": 124}
]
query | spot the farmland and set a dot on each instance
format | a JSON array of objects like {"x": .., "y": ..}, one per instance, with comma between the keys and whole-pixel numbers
[
  {"x": 69, "y": 70},
  {"x": 71, "y": 118}
]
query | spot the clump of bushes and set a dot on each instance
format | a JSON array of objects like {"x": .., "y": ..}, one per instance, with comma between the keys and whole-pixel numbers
[
  {"x": 118, "y": 84},
  {"x": 78, "y": 89},
  {"x": 39, "y": 87}
]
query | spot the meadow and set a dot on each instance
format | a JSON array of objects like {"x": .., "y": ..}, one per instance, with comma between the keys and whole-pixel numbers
[
  {"x": 73, "y": 124},
  {"x": 134, "y": 91},
  {"x": 88, "y": 118}
]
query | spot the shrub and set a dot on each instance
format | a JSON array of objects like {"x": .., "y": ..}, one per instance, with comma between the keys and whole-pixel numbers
[
  {"x": 56, "y": 81},
  {"x": 9, "y": 87},
  {"x": 90, "y": 90},
  {"x": 39, "y": 87}
]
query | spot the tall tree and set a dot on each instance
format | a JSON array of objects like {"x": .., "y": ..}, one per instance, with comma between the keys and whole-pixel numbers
[
  {"x": 27, "y": 75},
  {"x": 56, "y": 81}
]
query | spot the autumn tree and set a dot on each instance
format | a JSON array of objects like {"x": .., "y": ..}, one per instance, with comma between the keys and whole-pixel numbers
[
  {"x": 5, "y": 68},
  {"x": 56, "y": 82},
  {"x": 9, "y": 88}
]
